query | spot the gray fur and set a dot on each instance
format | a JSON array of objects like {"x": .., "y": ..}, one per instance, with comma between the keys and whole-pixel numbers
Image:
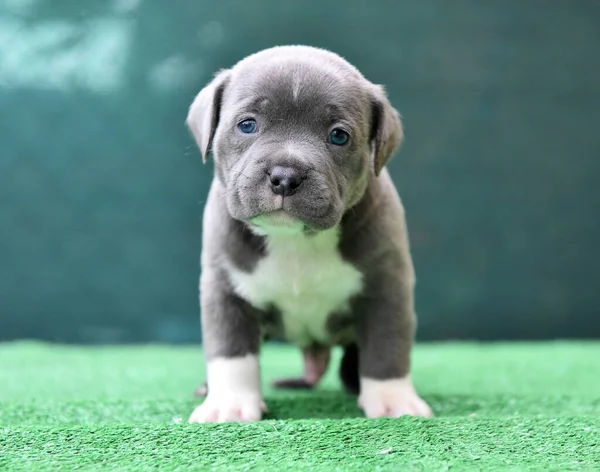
[
  {"x": 298, "y": 95},
  {"x": 375, "y": 238}
]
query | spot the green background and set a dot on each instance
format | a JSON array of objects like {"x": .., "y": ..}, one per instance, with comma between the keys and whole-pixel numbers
[{"x": 102, "y": 188}]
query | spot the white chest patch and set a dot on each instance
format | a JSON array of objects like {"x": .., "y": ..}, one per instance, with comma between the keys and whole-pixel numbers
[{"x": 305, "y": 278}]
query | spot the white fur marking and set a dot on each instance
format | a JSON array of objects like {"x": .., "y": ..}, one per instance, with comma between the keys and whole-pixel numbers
[
  {"x": 234, "y": 392},
  {"x": 296, "y": 86},
  {"x": 305, "y": 278},
  {"x": 393, "y": 398}
]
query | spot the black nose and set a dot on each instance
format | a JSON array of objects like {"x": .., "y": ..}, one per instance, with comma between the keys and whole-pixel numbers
[{"x": 285, "y": 180}]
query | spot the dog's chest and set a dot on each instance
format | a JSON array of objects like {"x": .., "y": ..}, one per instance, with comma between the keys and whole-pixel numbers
[{"x": 305, "y": 279}]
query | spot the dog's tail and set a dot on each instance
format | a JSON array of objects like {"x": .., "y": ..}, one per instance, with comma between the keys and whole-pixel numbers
[{"x": 349, "y": 369}]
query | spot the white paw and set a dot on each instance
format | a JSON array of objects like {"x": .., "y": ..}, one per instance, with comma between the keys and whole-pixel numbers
[
  {"x": 233, "y": 392},
  {"x": 235, "y": 407},
  {"x": 392, "y": 398}
]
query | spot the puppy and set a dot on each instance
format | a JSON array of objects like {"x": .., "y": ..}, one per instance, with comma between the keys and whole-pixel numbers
[{"x": 304, "y": 235}]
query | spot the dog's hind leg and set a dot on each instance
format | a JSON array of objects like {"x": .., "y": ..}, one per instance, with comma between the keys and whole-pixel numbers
[
  {"x": 349, "y": 369},
  {"x": 202, "y": 390},
  {"x": 316, "y": 361}
]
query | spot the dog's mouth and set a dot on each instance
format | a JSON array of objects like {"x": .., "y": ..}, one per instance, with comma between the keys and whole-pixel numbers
[
  {"x": 268, "y": 214},
  {"x": 277, "y": 221}
]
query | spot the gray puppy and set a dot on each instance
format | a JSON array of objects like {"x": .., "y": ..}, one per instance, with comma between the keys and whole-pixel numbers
[{"x": 304, "y": 233}]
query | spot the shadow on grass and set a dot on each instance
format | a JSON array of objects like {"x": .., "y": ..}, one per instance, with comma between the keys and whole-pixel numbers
[
  {"x": 319, "y": 404},
  {"x": 333, "y": 404}
]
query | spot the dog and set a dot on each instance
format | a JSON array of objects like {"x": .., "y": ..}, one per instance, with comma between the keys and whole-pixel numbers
[{"x": 304, "y": 234}]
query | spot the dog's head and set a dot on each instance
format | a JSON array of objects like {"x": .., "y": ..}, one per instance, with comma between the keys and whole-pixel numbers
[{"x": 296, "y": 133}]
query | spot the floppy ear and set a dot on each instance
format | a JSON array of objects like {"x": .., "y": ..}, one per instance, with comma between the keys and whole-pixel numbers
[
  {"x": 203, "y": 115},
  {"x": 386, "y": 129}
]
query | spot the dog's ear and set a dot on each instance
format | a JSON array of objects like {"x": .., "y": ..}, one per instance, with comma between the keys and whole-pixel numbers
[
  {"x": 203, "y": 115},
  {"x": 386, "y": 129}
]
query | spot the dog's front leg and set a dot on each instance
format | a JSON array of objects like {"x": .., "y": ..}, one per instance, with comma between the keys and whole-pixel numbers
[
  {"x": 231, "y": 339},
  {"x": 385, "y": 338}
]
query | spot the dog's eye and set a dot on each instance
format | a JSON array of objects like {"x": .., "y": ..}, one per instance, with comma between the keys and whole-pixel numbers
[
  {"x": 247, "y": 126},
  {"x": 339, "y": 137}
]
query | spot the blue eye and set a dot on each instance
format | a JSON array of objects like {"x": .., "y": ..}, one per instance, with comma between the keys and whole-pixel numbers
[
  {"x": 339, "y": 137},
  {"x": 247, "y": 126}
]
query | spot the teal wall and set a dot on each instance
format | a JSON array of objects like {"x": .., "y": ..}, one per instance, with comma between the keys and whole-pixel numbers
[{"x": 102, "y": 189}]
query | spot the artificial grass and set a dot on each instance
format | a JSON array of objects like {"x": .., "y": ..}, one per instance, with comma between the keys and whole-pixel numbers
[{"x": 499, "y": 407}]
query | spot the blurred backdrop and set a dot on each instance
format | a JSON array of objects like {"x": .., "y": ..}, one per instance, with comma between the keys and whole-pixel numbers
[{"x": 102, "y": 188}]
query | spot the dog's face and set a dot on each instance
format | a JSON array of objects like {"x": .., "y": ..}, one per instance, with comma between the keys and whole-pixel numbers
[{"x": 296, "y": 133}]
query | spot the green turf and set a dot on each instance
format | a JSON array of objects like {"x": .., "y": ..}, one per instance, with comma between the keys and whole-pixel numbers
[{"x": 499, "y": 407}]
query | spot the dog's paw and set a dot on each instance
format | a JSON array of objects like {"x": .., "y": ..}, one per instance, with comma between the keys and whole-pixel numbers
[
  {"x": 241, "y": 407},
  {"x": 391, "y": 398}
]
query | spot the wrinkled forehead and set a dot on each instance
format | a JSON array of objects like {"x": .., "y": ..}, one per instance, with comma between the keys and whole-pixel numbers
[{"x": 285, "y": 89}]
